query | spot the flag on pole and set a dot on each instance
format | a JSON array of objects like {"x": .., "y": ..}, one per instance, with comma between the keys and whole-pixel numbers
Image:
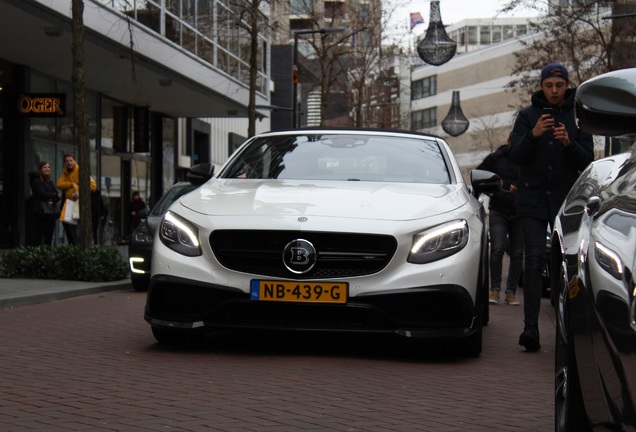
[{"x": 416, "y": 18}]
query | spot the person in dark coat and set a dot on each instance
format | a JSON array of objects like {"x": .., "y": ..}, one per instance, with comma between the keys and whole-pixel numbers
[
  {"x": 136, "y": 205},
  {"x": 551, "y": 151},
  {"x": 43, "y": 190},
  {"x": 504, "y": 225}
]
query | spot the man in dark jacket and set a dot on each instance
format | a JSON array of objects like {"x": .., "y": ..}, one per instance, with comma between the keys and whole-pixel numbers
[
  {"x": 504, "y": 225},
  {"x": 551, "y": 152}
]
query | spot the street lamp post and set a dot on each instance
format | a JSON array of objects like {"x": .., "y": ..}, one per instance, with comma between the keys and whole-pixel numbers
[{"x": 295, "y": 68}]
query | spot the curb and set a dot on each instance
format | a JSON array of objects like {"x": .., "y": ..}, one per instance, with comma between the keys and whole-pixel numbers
[{"x": 53, "y": 293}]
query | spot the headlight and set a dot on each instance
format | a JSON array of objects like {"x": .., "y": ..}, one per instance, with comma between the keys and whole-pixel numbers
[
  {"x": 609, "y": 260},
  {"x": 142, "y": 235},
  {"x": 439, "y": 242},
  {"x": 179, "y": 235}
]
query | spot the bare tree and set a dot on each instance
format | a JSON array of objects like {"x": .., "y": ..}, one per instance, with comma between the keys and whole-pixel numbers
[
  {"x": 578, "y": 36},
  {"x": 250, "y": 19},
  {"x": 80, "y": 119},
  {"x": 375, "y": 61},
  {"x": 489, "y": 135},
  {"x": 354, "y": 64}
]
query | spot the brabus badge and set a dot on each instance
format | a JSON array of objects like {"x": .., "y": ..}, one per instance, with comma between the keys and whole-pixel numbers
[{"x": 299, "y": 256}]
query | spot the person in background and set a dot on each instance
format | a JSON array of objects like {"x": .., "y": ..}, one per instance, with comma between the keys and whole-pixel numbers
[
  {"x": 504, "y": 225},
  {"x": 99, "y": 214},
  {"x": 136, "y": 205},
  {"x": 43, "y": 190},
  {"x": 68, "y": 183},
  {"x": 551, "y": 152}
]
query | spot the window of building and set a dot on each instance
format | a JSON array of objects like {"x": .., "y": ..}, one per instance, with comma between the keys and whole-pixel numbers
[
  {"x": 301, "y": 7},
  {"x": 190, "y": 24},
  {"x": 460, "y": 37},
  {"x": 508, "y": 32},
  {"x": 473, "y": 36},
  {"x": 424, "y": 119},
  {"x": 484, "y": 35},
  {"x": 424, "y": 88},
  {"x": 496, "y": 34},
  {"x": 61, "y": 129}
]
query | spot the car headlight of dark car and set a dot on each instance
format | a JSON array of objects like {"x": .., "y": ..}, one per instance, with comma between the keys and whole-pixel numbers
[
  {"x": 439, "y": 242},
  {"x": 178, "y": 234},
  {"x": 142, "y": 235}
]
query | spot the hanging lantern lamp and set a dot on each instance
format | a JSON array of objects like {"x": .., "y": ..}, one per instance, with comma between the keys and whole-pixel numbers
[
  {"x": 455, "y": 122},
  {"x": 437, "y": 47}
]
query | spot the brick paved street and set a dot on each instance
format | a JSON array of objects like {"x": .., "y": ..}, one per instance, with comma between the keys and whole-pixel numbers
[{"x": 91, "y": 364}]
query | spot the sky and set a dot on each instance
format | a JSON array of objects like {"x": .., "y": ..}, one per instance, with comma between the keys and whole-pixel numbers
[{"x": 453, "y": 11}]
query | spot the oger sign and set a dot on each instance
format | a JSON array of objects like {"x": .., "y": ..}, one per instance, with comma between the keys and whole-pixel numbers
[{"x": 42, "y": 105}]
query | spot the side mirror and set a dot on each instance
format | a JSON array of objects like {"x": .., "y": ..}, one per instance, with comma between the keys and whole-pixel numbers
[
  {"x": 200, "y": 173},
  {"x": 606, "y": 105},
  {"x": 485, "y": 182}
]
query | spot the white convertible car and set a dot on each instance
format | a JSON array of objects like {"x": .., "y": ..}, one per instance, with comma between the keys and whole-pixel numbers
[{"x": 327, "y": 230}]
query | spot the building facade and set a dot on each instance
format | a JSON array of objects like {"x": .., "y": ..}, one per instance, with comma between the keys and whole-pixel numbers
[
  {"x": 481, "y": 76},
  {"x": 166, "y": 85}
]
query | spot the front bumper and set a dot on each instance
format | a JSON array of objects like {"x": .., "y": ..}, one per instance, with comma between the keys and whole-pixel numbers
[{"x": 432, "y": 312}]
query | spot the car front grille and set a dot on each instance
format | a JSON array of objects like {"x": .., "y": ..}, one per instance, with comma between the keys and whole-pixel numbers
[{"x": 338, "y": 254}]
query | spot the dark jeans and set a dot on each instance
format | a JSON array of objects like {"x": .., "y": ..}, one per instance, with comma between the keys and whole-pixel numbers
[
  {"x": 44, "y": 228},
  {"x": 72, "y": 233},
  {"x": 534, "y": 234},
  {"x": 503, "y": 229}
]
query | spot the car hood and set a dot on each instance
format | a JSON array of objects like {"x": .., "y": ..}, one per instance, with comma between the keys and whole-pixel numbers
[{"x": 341, "y": 199}]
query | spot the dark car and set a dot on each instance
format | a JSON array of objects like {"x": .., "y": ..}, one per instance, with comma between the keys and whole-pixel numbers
[
  {"x": 593, "y": 259},
  {"x": 140, "y": 246}
]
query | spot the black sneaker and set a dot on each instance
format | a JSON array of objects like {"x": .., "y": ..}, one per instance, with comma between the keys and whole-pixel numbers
[{"x": 530, "y": 338}]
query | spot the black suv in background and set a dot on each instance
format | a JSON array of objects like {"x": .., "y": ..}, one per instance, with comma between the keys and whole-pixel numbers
[{"x": 140, "y": 246}]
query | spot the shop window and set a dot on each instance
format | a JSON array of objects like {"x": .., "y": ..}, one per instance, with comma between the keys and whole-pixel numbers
[
  {"x": 168, "y": 133},
  {"x": 111, "y": 188}
]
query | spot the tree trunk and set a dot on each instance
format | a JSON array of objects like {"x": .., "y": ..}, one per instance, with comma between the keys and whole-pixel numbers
[
  {"x": 80, "y": 120},
  {"x": 251, "y": 107}
]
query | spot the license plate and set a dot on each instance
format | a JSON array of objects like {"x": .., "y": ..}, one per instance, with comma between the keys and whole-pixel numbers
[{"x": 309, "y": 292}]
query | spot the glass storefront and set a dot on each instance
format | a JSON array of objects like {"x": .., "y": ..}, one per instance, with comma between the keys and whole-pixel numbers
[
  {"x": 114, "y": 164},
  {"x": 123, "y": 170}
]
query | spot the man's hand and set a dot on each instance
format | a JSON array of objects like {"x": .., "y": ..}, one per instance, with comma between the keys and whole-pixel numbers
[
  {"x": 544, "y": 124},
  {"x": 561, "y": 134}
]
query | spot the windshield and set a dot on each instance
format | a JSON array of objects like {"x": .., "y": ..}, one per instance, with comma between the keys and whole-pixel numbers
[{"x": 341, "y": 157}]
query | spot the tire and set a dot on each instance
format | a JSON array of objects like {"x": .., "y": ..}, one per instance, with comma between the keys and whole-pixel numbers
[
  {"x": 484, "y": 280},
  {"x": 172, "y": 337},
  {"x": 569, "y": 408}
]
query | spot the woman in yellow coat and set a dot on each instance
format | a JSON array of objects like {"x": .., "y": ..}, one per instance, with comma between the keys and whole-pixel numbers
[{"x": 68, "y": 183}]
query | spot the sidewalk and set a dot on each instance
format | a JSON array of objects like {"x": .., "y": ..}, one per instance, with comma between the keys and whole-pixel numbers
[{"x": 24, "y": 292}]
